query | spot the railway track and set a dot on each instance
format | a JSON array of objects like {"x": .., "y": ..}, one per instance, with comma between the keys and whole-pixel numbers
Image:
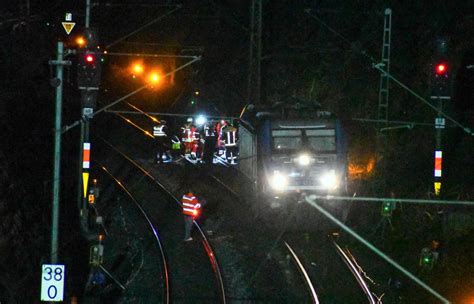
[
  {"x": 255, "y": 263},
  {"x": 165, "y": 276},
  {"x": 278, "y": 256},
  {"x": 153, "y": 207},
  {"x": 301, "y": 264}
]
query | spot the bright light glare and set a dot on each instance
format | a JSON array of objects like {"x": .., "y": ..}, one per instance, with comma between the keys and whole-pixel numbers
[
  {"x": 441, "y": 68},
  {"x": 80, "y": 41},
  {"x": 137, "y": 68},
  {"x": 154, "y": 77},
  {"x": 278, "y": 181},
  {"x": 329, "y": 180},
  {"x": 304, "y": 159},
  {"x": 90, "y": 58},
  {"x": 200, "y": 120}
]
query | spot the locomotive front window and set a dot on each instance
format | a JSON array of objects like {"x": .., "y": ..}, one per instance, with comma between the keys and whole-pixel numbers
[
  {"x": 323, "y": 140},
  {"x": 287, "y": 139}
]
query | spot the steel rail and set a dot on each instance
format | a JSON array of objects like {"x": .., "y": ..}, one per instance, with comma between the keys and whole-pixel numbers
[
  {"x": 303, "y": 272},
  {"x": 311, "y": 200},
  {"x": 217, "y": 180},
  {"x": 391, "y": 199},
  {"x": 166, "y": 285},
  {"x": 207, "y": 246},
  {"x": 360, "y": 280}
]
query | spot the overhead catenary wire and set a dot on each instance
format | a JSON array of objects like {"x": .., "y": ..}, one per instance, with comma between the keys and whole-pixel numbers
[
  {"x": 77, "y": 122},
  {"x": 168, "y": 114},
  {"x": 135, "y": 125},
  {"x": 311, "y": 200},
  {"x": 393, "y": 200},
  {"x": 144, "y": 26},
  {"x": 378, "y": 66}
]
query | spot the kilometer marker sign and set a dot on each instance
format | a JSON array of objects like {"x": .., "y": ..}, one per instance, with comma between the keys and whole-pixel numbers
[{"x": 52, "y": 283}]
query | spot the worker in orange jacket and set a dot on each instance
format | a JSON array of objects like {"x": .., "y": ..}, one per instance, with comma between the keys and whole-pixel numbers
[{"x": 191, "y": 210}]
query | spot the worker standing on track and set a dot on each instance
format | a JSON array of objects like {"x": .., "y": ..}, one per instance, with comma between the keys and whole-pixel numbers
[
  {"x": 191, "y": 211},
  {"x": 210, "y": 142},
  {"x": 195, "y": 142},
  {"x": 220, "y": 139},
  {"x": 175, "y": 147},
  {"x": 159, "y": 132},
  {"x": 187, "y": 137},
  {"x": 229, "y": 134}
]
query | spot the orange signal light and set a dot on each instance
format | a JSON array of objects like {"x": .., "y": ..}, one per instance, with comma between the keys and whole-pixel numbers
[{"x": 80, "y": 41}]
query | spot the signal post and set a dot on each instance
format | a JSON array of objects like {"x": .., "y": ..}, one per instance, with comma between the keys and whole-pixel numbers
[
  {"x": 88, "y": 81},
  {"x": 440, "y": 92}
]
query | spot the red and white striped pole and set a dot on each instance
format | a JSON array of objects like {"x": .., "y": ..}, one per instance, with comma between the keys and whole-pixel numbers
[
  {"x": 86, "y": 163},
  {"x": 438, "y": 171}
]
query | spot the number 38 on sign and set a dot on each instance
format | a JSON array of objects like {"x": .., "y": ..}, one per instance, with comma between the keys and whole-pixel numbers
[{"x": 52, "y": 283}]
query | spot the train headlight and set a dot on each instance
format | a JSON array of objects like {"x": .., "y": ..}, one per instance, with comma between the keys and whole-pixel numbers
[
  {"x": 304, "y": 159},
  {"x": 329, "y": 180},
  {"x": 278, "y": 181}
]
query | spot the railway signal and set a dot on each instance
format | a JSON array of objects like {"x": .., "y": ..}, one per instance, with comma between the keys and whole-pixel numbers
[
  {"x": 441, "y": 72},
  {"x": 440, "y": 91},
  {"x": 89, "y": 69},
  {"x": 387, "y": 208},
  {"x": 441, "y": 79},
  {"x": 426, "y": 258}
]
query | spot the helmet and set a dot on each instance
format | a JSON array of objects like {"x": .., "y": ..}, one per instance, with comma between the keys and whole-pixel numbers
[
  {"x": 190, "y": 119},
  {"x": 163, "y": 122}
]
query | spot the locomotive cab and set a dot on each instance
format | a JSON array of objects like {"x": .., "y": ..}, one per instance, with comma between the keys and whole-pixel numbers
[{"x": 304, "y": 155}]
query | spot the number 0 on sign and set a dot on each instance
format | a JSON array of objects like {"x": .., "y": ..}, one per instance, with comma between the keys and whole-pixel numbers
[{"x": 52, "y": 283}]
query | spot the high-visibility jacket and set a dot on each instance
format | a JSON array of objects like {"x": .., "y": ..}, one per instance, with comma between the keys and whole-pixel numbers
[
  {"x": 194, "y": 134},
  {"x": 190, "y": 205},
  {"x": 187, "y": 135},
  {"x": 229, "y": 134},
  {"x": 159, "y": 131},
  {"x": 209, "y": 130},
  {"x": 176, "y": 144},
  {"x": 219, "y": 126}
]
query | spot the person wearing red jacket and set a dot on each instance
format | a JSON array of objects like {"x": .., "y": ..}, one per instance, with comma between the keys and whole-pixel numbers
[
  {"x": 187, "y": 136},
  {"x": 191, "y": 210},
  {"x": 194, "y": 142}
]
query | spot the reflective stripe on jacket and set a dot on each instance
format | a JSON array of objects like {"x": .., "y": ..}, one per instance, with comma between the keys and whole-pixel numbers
[
  {"x": 230, "y": 138},
  {"x": 187, "y": 134},
  {"x": 159, "y": 131},
  {"x": 190, "y": 205}
]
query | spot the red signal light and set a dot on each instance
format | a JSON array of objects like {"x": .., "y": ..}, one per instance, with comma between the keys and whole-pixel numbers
[
  {"x": 441, "y": 68},
  {"x": 90, "y": 58}
]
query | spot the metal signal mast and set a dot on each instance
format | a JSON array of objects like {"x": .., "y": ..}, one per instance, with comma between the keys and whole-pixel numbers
[
  {"x": 384, "y": 79},
  {"x": 255, "y": 53}
]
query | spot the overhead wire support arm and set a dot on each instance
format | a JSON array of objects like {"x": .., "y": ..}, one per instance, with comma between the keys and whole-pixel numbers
[
  {"x": 77, "y": 122},
  {"x": 465, "y": 129},
  {"x": 378, "y": 66},
  {"x": 147, "y": 55}
]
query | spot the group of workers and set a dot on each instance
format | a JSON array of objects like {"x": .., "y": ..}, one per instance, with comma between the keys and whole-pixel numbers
[{"x": 199, "y": 143}]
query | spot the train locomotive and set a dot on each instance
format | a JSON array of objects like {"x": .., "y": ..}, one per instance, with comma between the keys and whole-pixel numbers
[{"x": 290, "y": 150}]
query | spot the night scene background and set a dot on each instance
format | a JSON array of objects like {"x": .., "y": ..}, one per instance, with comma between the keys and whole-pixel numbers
[{"x": 314, "y": 52}]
